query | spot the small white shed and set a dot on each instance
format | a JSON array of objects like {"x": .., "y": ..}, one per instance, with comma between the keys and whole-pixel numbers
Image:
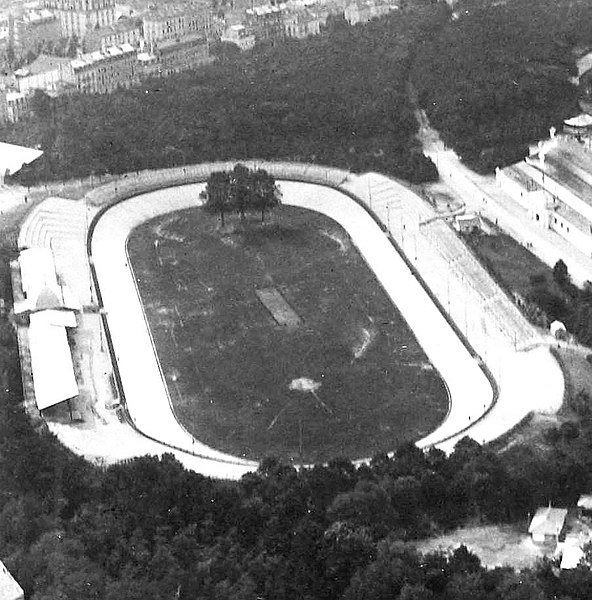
[{"x": 558, "y": 330}]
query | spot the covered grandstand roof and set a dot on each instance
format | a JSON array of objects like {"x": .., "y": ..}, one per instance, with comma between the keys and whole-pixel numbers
[
  {"x": 13, "y": 157},
  {"x": 51, "y": 362},
  {"x": 48, "y": 299},
  {"x": 38, "y": 280}
]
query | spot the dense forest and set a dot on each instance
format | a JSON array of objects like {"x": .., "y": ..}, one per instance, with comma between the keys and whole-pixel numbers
[
  {"x": 496, "y": 78},
  {"x": 148, "y": 529},
  {"x": 336, "y": 99}
]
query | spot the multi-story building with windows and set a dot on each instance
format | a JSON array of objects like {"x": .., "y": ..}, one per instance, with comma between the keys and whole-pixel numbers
[
  {"x": 124, "y": 31},
  {"x": 176, "y": 23},
  {"x": 79, "y": 17},
  {"x": 238, "y": 35},
  {"x": 362, "y": 11},
  {"x": 103, "y": 72},
  {"x": 302, "y": 24},
  {"x": 175, "y": 56},
  {"x": 47, "y": 73},
  {"x": 266, "y": 22}
]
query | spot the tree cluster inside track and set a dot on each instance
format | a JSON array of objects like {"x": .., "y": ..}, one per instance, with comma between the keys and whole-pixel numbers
[{"x": 276, "y": 338}]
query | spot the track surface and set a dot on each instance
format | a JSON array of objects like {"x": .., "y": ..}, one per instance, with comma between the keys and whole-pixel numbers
[
  {"x": 147, "y": 397},
  {"x": 527, "y": 376}
]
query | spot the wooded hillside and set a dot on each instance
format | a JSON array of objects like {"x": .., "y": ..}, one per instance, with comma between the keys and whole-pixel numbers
[{"x": 497, "y": 78}]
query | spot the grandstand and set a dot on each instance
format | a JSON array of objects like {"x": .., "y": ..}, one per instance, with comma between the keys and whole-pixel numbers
[
  {"x": 42, "y": 339},
  {"x": 61, "y": 225}
]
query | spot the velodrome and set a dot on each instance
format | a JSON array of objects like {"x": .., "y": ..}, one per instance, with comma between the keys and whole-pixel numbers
[{"x": 497, "y": 367}]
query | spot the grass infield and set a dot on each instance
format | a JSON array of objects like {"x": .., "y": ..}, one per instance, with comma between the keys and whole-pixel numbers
[{"x": 231, "y": 367}]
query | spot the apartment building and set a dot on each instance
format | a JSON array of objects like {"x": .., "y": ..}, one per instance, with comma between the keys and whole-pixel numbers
[
  {"x": 47, "y": 73},
  {"x": 80, "y": 17},
  {"x": 176, "y": 23},
  {"x": 103, "y": 72},
  {"x": 125, "y": 30}
]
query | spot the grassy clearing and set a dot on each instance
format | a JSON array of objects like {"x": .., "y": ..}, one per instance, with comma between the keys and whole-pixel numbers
[
  {"x": 509, "y": 262},
  {"x": 229, "y": 364},
  {"x": 496, "y": 545}
]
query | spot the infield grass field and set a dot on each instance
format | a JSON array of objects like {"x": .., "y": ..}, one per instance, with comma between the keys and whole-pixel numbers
[{"x": 276, "y": 339}]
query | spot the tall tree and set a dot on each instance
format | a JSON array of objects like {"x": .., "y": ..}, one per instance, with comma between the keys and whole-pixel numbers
[
  {"x": 265, "y": 193},
  {"x": 217, "y": 193}
]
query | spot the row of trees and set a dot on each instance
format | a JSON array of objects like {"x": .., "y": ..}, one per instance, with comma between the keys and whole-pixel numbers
[
  {"x": 149, "y": 529},
  {"x": 241, "y": 190},
  {"x": 495, "y": 79},
  {"x": 566, "y": 302}
]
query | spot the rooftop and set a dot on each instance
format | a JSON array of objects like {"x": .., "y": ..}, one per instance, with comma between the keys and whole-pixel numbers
[
  {"x": 517, "y": 174},
  {"x": 548, "y": 521},
  {"x": 569, "y": 164},
  {"x": 44, "y": 63},
  {"x": 94, "y": 57},
  {"x": 582, "y": 120},
  {"x": 9, "y": 588},
  {"x": 573, "y": 218},
  {"x": 13, "y": 157},
  {"x": 266, "y": 9},
  {"x": 190, "y": 40}
]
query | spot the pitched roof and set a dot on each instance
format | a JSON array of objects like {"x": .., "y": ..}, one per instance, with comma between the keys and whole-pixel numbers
[
  {"x": 47, "y": 300},
  {"x": 585, "y": 501},
  {"x": 45, "y": 63},
  {"x": 548, "y": 521}
]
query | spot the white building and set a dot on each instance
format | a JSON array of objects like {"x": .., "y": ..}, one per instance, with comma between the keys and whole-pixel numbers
[
  {"x": 548, "y": 525},
  {"x": 47, "y": 73},
  {"x": 554, "y": 184},
  {"x": 238, "y": 34}
]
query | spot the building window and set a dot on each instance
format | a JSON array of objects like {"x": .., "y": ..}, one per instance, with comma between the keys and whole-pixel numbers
[{"x": 568, "y": 230}]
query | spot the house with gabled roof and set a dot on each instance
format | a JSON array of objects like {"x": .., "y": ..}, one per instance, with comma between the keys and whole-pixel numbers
[{"x": 548, "y": 525}]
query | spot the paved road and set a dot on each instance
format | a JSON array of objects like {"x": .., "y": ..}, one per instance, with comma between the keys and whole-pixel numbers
[{"x": 482, "y": 194}]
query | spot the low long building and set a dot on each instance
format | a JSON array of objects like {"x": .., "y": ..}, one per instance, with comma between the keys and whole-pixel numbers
[{"x": 554, "y": 184}]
